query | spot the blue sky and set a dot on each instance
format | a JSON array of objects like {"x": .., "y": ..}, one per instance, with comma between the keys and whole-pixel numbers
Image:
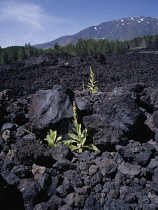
[{"x": 39, "y": 21}]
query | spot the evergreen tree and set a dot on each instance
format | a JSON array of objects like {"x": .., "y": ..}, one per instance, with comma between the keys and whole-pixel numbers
[
  {"x": 81, "y": 47},
  {"x": 91, "y": 46},
  {"x": 10, "y": 53},
  {"x": 21, "y": 54},
  {"x": 70, "y": 48},
  {"x": 57, "y": 48},
  {"x": 28, "y": 50},
  {"x": 4, "y": 57}
]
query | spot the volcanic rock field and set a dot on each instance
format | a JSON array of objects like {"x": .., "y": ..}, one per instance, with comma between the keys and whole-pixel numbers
[{"x": 121, "y": 120}]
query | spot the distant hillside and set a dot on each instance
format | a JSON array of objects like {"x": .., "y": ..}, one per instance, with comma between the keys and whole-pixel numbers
[{"x": 120, "y": 29}]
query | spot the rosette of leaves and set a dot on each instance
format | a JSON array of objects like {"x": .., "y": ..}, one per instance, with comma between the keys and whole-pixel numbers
[
  {"x": 52, "y": 138},
  {"x": 78, "y": 138},
  {"x": 92, "y": 83}
]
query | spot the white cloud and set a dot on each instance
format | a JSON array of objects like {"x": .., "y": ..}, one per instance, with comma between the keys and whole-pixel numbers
[
  {"x": 23, "y": 22},
  {"x": 26, "y": 13}
]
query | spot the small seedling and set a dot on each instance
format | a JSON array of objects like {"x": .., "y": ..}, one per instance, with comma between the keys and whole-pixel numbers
[
  {"x": 79, "y": 137},
  {"x": 28, "y": 132},
  {"x": 52, "y": 138},
  {"x": 92, "y": 83}
]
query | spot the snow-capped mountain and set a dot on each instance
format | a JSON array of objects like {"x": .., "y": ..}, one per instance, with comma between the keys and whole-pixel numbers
[{"x": 119, "y": 29}]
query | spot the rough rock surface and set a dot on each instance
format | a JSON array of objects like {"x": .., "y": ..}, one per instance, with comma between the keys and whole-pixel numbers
[
  {"x": 45, "y": 71},
  {"x": 121, "y": 122},
  {"x": 48, "y": 107}
]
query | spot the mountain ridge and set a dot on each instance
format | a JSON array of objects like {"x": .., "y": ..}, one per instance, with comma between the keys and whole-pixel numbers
[{"x": 119, "y": 29}]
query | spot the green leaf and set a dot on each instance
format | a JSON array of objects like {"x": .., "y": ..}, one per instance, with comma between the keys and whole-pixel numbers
[
  {"x": 79, "y": 129},
  {"x": 58, "y": 139},
  {"x": 53, "y": 134},
  {"x": 49, "y": 140},
  {"x": 80, "y": 150},
  {"x": 91, "y": 146},
  {"x": 51, "y": 144},
  {"x": 70, "y": 141},
  {"x": 83, "y": 141},
  {"x": 72, "y": 147},
  {"x": 73, "y": 136}
]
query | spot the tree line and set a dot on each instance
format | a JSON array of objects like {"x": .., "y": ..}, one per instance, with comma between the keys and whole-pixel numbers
[
  {"x": 16, "y": 53},
  {"x": 104, "y": 46},
  {"x": 81, "y": 48}
]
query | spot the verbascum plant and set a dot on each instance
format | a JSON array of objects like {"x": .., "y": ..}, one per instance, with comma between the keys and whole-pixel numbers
[
  {"x": 78, "y": 138},
  {"x": 52, "y": 138},
  {"x": 92, "y": 83}
]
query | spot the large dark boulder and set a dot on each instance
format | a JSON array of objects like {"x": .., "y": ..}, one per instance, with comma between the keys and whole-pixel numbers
[
  {"x": 28, "y": 151},
  {"x": 134, "y": 87},
  {"x": 120, "y": 112},
  {"x": 48, "y": 107},
  {"x": 105, "y": 137},
  {"x": 123, "y": 113},
  {"x": 85, "y": 100},
  {"x": 136, "y": 153}
]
